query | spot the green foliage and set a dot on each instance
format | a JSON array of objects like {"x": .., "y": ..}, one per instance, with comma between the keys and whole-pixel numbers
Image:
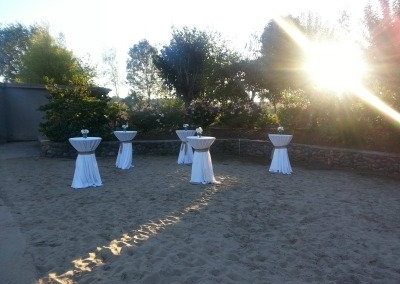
[
  {"x": 163, "y": 116},
  {"x": 294, "y": 111},
  {"x": 117, "y": 114},
  {"x": 77, "y": 107},
  {"x": 203, "y": 113},
  {"x": 182, "y": 63},
  {"x": 267, "y": 119},
  {"x": 240, "y": 114},
  {"x": 14, "y": 41},
  {"x": 134, "y": 102},
  {"x": 224, "y": 81},
  {"x": 160, "y": 117},
  {"x": 142, "y": 74},
  {"x": 251, "y": 74},
  {"x": 45, "y": 58},
  {"x": 339, "y": 121},
  {"x": 200, "y": 69}
]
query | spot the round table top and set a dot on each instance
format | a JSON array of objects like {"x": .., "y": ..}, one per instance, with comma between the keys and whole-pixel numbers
[
  {"x": 202, "y": 142},
  {"x": 183, "y": 134},
  {"x": 128, "y": 131},
  {"x": 125, "y": 135},
  {"x": 279, "y": 135},
  {"x": 201, "y": 137},
  {"x": 85, "y": 144},
  {"x": 280, "y": 140},
  {"x": 79, "y": 139}
]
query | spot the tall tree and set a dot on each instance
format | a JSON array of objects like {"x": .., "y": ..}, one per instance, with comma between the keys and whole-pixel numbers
[
  {"x": 200, "y": 68},
  {"x": 182, "y": 63},
  {"x": 281, "y": 60},
  {"x": 14, "y": 41},
  {"x": 223, "y": 81},
  {"x": 111, "y": 69},
  {"x": 46, "y": 59},
  {"x": 142, "y": 74}
]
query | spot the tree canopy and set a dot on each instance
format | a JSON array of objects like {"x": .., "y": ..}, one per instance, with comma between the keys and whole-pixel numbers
[
  {"x": 198, "y": 65},
  {"x": 14, "y": 42},
  {"x": 182, "y": 63},
  {"x": 46, "y": 59},
  {"x": 142, "y": 74}
]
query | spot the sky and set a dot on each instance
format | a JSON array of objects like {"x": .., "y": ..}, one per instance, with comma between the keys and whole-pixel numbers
[{"x": 91, "y": 27}]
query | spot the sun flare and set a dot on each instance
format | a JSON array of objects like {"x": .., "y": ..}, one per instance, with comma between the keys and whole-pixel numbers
[{"x": 335, "y": 66}]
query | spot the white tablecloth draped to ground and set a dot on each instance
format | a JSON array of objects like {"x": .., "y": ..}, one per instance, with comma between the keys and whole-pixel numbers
[
  {"x": 124, "y": 158},
  {"x": 280, "y": 160},
  {"x": 186, "y": 152},
  {"x": 202, "y": 169},
  {"x": 86, "y": 169}
]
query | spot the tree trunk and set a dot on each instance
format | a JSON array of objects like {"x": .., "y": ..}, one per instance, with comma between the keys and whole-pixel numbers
[
  {"x": 148, "y": 95},
  {"x": 253, "y": 95},
  {"x": 187, "y": 116}
]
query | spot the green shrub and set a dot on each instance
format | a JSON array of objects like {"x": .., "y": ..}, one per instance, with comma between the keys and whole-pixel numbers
[
  {"x": 161, "y": 117},
  {"x": 77, "y": 107},
  {"x": 239, "y": 114},
  {"x": 294, "y": 112},
  {"x": 266, "y": 119},
  {"x": 117, "y": 114},
  {"x": 202, "y": 113}
]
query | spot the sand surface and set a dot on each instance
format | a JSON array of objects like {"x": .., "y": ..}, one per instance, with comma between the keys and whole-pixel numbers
[{"x": 149, "y": 225}]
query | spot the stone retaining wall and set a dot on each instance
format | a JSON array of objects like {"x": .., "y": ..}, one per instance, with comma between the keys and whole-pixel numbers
[
  {"x": 309, "y": 155},
  {"x": 380, "y": 163}
]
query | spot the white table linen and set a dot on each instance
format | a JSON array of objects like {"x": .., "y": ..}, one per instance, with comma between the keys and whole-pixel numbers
[
  {"x": 185, "y": 152},
  {"x": 280, "y": 160},
  {"x": 202, "y": 169},
  {"x": 86, "y": 169},
  {"x": 124, "y": 158}
]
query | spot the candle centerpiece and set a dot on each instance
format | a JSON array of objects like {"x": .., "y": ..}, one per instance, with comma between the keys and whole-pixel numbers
[
  {"x": 125, "y": 126},
  {"x": 185, "y": 126}
]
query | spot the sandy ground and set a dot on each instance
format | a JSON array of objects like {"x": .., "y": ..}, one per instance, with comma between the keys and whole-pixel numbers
[{"x": 149, "y": 225}]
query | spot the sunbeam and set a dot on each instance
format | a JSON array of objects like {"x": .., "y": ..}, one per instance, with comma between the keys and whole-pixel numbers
[
  {"x": 366, "y": 95},
  {"x": 130, "y": 240},
  {"x": 337, "y": 67}
]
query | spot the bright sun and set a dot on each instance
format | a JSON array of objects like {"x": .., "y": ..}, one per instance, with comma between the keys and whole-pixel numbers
[
  {"x": 338, "y": 67},
  {"x": 335, "y": 66}
]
